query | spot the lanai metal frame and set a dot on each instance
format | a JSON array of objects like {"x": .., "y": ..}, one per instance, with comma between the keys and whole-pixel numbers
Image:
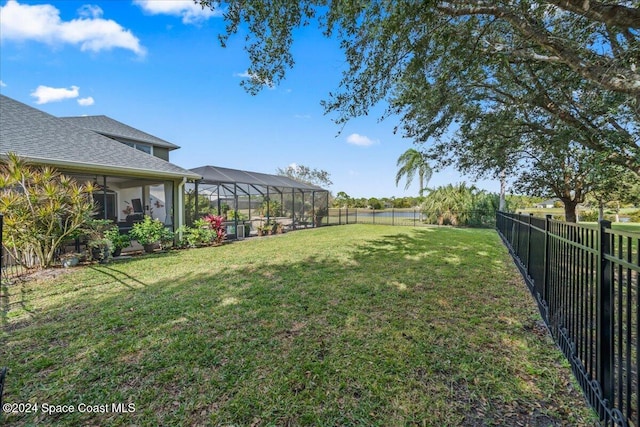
[{"x": 230, "y": 186}]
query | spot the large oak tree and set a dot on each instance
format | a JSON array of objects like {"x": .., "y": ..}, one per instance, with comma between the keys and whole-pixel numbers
[{"x": 567, "y": 63}]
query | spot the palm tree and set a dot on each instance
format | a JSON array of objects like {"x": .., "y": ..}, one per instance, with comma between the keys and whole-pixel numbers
[
  {"x": 450, "y": 204},
  {"x": 411, "y": 162}
]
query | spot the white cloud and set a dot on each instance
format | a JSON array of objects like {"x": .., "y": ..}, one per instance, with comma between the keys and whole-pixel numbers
[
  {"x": 90, "y": 11},
  {"x": 360, "y": 140},
  {"x": 302, "y": 116},
  {"x": 42, "y": 23},
  {"x": 85, "y": 102},
  {"x": 46, "y": 94},
  {"x": 190, "y": 12},
  {"x": 2, "y": 84}
]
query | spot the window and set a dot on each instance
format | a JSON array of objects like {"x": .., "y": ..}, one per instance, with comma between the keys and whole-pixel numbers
[
  {"x": 99, "y": 198},
  {"x": 142, "y": 147}
]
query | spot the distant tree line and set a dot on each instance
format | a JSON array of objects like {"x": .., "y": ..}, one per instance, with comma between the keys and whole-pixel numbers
[{"x": 343, "y": 200}]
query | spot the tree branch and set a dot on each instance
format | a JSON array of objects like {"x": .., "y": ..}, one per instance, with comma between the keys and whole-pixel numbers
[
  {"x": 600, "y": 71},
  {"x": 610, "y": 14}
]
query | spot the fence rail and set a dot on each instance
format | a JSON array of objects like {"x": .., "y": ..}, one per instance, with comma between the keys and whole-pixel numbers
[
  {"x": 585, "y": 281},
  {"x": 408, "y": 217}
]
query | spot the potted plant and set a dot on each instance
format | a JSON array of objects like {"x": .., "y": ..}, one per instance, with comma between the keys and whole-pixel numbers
[
  {"x": 150, "y": 232},
  {"x": 101, "y": 249},
  {"x": 265, "y": 229},
  {"x": 119, "y": 240},
  {"x": 70, "y": 259},
  {"x": 98, "y": 245}
]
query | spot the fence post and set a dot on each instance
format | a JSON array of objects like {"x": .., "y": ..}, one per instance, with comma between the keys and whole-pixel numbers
[
  {"x": 605, "y": 312},
  {"x": 529, "y": 244},
  {"x": 1, "y": 249},
  {"x": 546, "y": 264},
  {"x": 516, "y": 234}
]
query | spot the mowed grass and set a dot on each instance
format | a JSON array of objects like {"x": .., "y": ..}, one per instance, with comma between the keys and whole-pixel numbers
[
  {"x": 632, "y": 227},
  {"x": 352, "y": 325}
]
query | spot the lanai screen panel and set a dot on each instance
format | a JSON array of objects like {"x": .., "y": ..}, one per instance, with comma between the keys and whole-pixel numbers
[{"x": 238, "y": 189}]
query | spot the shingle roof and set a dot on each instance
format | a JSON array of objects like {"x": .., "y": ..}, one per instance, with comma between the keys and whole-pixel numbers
[
  {"x": 44, "y": 138},
  {"x": 109, "y": 127}
]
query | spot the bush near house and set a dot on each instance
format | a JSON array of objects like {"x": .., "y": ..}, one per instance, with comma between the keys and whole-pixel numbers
[
  {"x": 42, "y": 209},
  {"x": 205, "y": 231},
  {"x": 151, "y": 231}
]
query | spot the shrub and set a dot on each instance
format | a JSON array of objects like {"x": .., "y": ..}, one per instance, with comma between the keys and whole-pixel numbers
[
  {"x": 216, "y": 223},
  {"x": 319, "y": 214},
  {"x": 42, "y": 209},
  {"x": 271, "y": 207},
  {"x": 589, "y": 216},
  {"x": 201, "y": 234},
  {"x": 150, "y": 231},
  {"x": 232, "y": 215},
  {"x": 120, "y": 241},
  {"x": 460, "y": 205}
]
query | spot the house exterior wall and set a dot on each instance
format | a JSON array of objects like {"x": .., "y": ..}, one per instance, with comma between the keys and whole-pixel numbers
[{"x": 161, "y": 153}]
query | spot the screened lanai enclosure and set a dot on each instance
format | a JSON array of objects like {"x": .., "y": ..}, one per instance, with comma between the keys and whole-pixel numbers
[{"x": 251, "y": 201}]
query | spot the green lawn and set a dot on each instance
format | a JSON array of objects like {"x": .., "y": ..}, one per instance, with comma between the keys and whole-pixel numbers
[
  {"x": 352, "y": 325},
  {"x": 633, "y": 227}
]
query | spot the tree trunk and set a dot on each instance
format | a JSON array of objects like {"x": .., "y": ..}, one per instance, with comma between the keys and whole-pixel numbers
[
  {"x": 503, "y": 185},
  {"x": 600, "y": 212},
  {"x": 570, "y": 210}
]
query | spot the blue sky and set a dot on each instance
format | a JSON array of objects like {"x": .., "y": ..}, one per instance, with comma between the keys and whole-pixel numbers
[{"x": 158, "y": 66}]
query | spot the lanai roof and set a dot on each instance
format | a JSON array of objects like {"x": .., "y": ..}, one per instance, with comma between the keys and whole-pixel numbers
[
  {"x": 43, "y": 138},
  {"x": 215, "y": 175}
]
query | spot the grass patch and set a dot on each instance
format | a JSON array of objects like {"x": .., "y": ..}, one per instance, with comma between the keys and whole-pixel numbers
[
  {"x": 352, "y": 325},
  {"x": 633, "y": 227}
]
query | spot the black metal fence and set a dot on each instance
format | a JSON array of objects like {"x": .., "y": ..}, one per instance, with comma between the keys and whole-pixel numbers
[
  {"x": 585, "y": 281},
  {"x": 10, "y": 266},
  {"x": 409, "y": 217},
  {"x": 3, "y": 371}
]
